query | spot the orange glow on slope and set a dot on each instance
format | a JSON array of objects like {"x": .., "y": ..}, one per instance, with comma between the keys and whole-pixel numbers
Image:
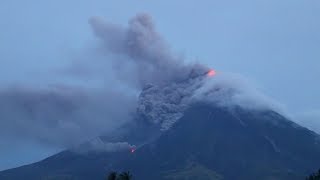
[{"x": 211, "y": 72}]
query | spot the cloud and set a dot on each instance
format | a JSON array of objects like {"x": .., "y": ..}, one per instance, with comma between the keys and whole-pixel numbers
[
  {"x": 165, "y": 105},
  {"x": 141, "y": 48},
  {"x": 98, "y": 145},
  {"x": 310, "y": 119},
  {"x": 230, "y": 89},
  {"x": 65, "y": 115},
  {"x": 152, "y": 62},
  {"x": 129, "y": 59},
  {"x": 61, "y": 117}
]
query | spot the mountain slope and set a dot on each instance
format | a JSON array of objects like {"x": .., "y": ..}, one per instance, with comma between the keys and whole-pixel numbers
[{"x": 207, "y": 142}]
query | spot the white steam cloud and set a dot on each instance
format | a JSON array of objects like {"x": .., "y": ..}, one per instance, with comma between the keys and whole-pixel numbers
[{"x": 229, "y": 89}]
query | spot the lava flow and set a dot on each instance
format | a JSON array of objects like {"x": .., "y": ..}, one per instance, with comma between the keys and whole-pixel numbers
[{"x": 211, "y": 73}]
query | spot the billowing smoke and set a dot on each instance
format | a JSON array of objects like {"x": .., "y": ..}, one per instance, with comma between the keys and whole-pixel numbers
[
  {"x": 141, "y": 61},
  {"x": 67, "y": 116},
  {"x": 168, "y": 83},
  {"x": 229, "y": 89},
  {"x": 141, "y": 47},
  {"x": 61, "y": 117},
  {"x": 98, "y": 145},
  {"x": 164, "y": 105}
]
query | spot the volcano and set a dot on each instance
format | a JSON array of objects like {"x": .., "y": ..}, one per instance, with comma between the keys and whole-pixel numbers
[
  {"x": 190, "y": 122},
  {"x": 171, "y": 140}
]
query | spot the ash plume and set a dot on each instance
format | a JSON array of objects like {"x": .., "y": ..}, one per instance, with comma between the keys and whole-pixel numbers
[
  {"x": 64, "y": 117},
  {"x": 141, "y": 61},
  {"x": 140, "y": 46}
]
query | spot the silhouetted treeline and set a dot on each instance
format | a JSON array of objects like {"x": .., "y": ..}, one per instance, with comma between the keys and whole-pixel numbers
[
  {"x": 122, "y": 176},
  {"x": 314, "y": 176}
]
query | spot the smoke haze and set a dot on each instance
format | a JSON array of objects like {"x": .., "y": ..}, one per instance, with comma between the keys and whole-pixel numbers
[{"x": 61, "y": 117}]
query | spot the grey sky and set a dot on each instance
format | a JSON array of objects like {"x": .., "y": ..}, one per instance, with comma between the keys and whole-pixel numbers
[{"x": 274, "y": 43}]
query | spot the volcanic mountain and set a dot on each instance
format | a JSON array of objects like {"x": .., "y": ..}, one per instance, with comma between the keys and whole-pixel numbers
[{"x": 175, "y": 134}]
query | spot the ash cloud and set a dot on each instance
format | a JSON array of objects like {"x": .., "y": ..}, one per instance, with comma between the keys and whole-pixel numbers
[
  {"x": 98, "y": 145},
  {"x": 61, "y": 117},
  {"x": 152, "y": 62},
  {"x": 141, "y": 47},
  {"x": 165, "y": 105},
  {"x": 229, "y": 89},
  {"x": 140, "y": 60}
]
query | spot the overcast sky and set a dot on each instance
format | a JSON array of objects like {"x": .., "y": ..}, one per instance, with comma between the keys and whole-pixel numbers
[{"x": 276, "y": 44}]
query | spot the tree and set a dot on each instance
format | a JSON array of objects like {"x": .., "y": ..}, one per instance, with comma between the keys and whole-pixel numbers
[
  {"x": 125, "y": 176},
  {"x": 112, "y": 175},
  {"x": 314, "y": 176}
]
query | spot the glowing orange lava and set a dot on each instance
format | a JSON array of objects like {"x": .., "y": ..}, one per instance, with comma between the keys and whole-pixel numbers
[{"x": 211, "y": 72}]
